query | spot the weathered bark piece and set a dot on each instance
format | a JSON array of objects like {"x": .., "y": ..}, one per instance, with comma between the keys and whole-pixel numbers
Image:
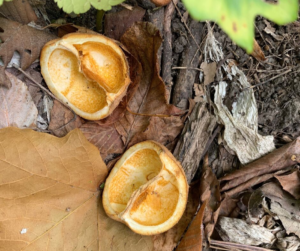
[
  {"x": 183, "y": 88},
  {"x": 157, "y": 18},
  {"x": 167, "y": 45},
  {"x": 194, "y": 137},
  {"x": 238, "y": 231}
]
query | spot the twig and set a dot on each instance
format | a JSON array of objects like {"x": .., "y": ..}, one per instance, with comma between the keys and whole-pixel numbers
[
  {"x": 186, "y": 68},
  {"x": 253, "y": 86},
  {"x": 166, "y": 68},
  {"x": 127, "y": 6},
  {"x": 48, "y": 92},
  {"x": 186, "y": 26}
]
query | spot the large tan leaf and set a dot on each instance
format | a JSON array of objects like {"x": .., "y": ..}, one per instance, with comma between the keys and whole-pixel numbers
[
  {"x": 48, "y": 191},
  {"x": 16, "y": 105}
]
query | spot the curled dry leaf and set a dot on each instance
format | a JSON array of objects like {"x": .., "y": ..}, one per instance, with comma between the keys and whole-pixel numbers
[
  {"x": 143, "y": 41},
  {"x": 257, "y": 52},
  {"x": 16, "y": 105},
  {"x": 209, "y": 191},
  {"x": 279, "y": 159},
  {"x": 18, "y": 10},
  {"x": 291, "y": 183},
  {"x": 284, "y": 206},
  {"x": 193, "y": 238},
  {"x": 49, "y": 191}
]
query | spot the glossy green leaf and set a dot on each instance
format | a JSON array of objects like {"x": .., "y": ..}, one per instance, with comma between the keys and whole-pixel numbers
[
  {"x": 236, "y": 17},
  {"x": 81, "y": 6}
]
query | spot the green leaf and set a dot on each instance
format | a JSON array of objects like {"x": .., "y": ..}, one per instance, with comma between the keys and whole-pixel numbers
[
  {"x": 2, "y": 1},
  {"x": 81, "y": 6},
  {"x": 236, "y": 17}
]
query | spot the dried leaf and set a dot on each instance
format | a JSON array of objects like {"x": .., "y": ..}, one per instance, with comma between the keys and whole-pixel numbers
[
  {"x": 272, "y": 162},
  {"x": 209, "y": 71},
  {"x": 291, "y": 183},
  {"x": 209, "y": 191},
  {"x": 161, "y": 125},
  {"x": 4, "y": 80},
  {"x": 143, "y": 41},
  {"x": 193, "y": 238},
  {"x": 284, "y": 206},
  {"x": 238, "y": 231},
  {"x": 16, "y": 105},
  {"x": 19, "y": 11},
  {"x": 63, "y": 120},
  {"x": 257, "y": 52},
  {"x": 49, "y": 191},
  {"x": 22, "y": 38},
  {"x": 113, "y": 21},
  {"x": 106, "y": 138},
  {"x": 270, "y": 30}
]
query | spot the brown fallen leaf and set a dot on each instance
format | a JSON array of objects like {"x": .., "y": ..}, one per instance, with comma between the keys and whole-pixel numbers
[
  {"x": 49, "y": 191},
  {"x": 193, "y": 238},
  {"x": 4, "y": 80},
  {"x": 291, "y": 183},
  {"x": 106, "y": 138},
  {"x": 143, "y": 41},
  {"x": 209, "y": 191},
  {"x": 22, "y": 38},
  {"x": 209, "y": 70},
  {"x": 116, "y": 23},
  {"x": 16, "y": 105},
  {"x": 284, "y": 206},
  {"x": 18, "y": 10},
  {"x": 279, "y": 159},
  {"x": 158, "y": 130},
  {"x": 257, "y": 52},
  {"x": 63, "y": 120}
]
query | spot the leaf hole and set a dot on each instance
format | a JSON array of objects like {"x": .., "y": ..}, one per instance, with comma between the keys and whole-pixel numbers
[
  {"x": 28, "y": 51},
  {"x": 1, "y": 30}
]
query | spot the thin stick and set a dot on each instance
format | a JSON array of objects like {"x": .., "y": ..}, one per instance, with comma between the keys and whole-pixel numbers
[
  {"x": 186, "y": 26},
  {"x": 253, "y": 86},
  {"x": 127, "y": 6},
  {"x": 186, "y": 68},
  {"x": 42, "y": 87},
  {"x": 49, "y": 93}
]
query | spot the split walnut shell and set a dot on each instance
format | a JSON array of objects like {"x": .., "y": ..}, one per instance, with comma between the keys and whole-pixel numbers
[
  {"x": 146, "y": 189},
  {"x": 89, "y": 72}
]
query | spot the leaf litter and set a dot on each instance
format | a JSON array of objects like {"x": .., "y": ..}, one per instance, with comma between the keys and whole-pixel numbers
[{"x": 143, "y": 123}]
